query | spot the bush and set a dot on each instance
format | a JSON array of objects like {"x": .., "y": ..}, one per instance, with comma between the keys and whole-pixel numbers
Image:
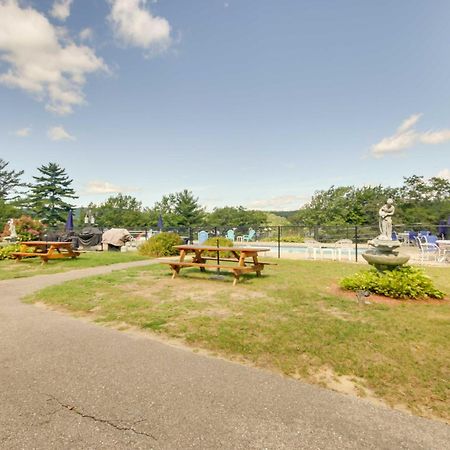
[
  {"x": 223, "y": 242},
  {"x": 5, "y": 252},
  {"x": 161, "y": 245},
  {"x": 28, "y": 229},
  {"x": 404, "y": 282}
]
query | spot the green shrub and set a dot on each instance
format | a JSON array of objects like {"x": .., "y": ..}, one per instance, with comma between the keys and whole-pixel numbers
[
  {"x": 223, "y": 242},
  {"x": 405, "y": 283},
  {"x": 28, "y": 229},
  {"x": 5, "y": 252},
  {"x": 161, "y": 245}
]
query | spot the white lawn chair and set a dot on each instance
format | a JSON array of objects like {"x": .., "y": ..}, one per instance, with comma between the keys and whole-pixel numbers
[
  {"x": 427, "y": 249},
  {"x": 344, "y": 246}
]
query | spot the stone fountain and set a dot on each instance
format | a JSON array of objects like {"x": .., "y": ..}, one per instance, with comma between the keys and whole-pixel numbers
[{"x": 383, "y": 253}]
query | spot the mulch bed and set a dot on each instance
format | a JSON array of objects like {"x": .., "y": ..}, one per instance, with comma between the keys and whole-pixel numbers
[{"x": 374, "y": 298}]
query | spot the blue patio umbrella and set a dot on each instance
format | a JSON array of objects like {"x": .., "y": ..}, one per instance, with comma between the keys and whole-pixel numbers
[
  {"x": 160, "y": 222},
  {"x": 69, "y": 221}
]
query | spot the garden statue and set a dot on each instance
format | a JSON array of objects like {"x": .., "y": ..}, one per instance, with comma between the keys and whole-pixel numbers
[
  {"x": 384, "y": 253},
  {"x": 12, "y": 230},
  {"x": 386, "y": 212}
]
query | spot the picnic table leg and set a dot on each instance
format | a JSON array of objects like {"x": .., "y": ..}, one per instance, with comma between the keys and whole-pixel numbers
[
  {"x": 257, "y": 266},
  {"x": 175, "y": 271},
  {"x": 198, "y": 259},
  {"x": 236, "y": 277}
]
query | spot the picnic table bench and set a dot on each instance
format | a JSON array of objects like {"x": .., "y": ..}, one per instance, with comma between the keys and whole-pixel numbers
[
  {"x": 245, "y": 259},
  {"x": 45, "y": 250}
]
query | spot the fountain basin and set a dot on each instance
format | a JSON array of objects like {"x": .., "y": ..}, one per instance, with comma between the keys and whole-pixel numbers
[{"x": 385, "y": 261}]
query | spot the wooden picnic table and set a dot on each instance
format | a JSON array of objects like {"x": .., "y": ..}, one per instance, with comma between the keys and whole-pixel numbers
[
  {"x": 243, "y": 260},
  {"x": 45, "y": 250}
]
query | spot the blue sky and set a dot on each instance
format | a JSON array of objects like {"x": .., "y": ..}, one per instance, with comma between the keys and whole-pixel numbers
[{"x": 245, "y": 102}]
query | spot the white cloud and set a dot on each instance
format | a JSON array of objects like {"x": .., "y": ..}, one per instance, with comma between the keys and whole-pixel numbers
[
  {"x": 435, "y": 137},
  {"x": 59, "y": 134},
  {"x": 42, "y": 60},
  {"x": 444, "y": 173},
  {"x": 23, "y": 132},
  {"x": 104, "y": 187},
  {"x": 86, "y": 34},
  {"x": 135, "y": 25},
  {"x": 406, "y": 137},
  {"x": 280, "y": 203},
  {"x": 408, "y": 123},
  {"x": 61, "y": 9}
]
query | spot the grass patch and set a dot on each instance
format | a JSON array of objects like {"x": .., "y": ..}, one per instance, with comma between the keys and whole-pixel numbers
[
  {"x": 289, "y": 321},
  {"x": 29, "y": 267}
]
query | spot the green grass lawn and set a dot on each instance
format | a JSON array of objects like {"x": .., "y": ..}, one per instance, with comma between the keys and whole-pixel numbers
[
  {"x": 33, "y": 266},
  {"x": 292, "y": 320}
]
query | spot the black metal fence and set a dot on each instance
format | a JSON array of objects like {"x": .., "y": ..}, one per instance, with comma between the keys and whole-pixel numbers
[
  {"x": 298, "y": 239},
  {"x": 283, "y": 240}
]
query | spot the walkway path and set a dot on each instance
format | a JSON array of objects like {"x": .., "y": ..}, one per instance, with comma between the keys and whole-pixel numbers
[{"x": 67, "y": 383}]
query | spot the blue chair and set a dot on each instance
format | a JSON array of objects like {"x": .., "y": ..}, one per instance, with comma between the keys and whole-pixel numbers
[
  {"x": 431, "y": 239},
  {"x": 248, "y": 237},
  {"x": 202, "y": 237},
  {"x": 424, "y": 233},
  {"x": 230, "y": 235}
]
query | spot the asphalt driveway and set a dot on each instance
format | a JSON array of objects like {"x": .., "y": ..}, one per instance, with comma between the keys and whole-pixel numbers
[{"x": 67, "y": 383}]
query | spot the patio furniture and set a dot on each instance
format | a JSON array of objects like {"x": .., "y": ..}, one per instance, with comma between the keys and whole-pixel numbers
[
  {"x": 427, "y": 249},
  {"x": 248, "y": 237},
  {"x": 202, "y": 237},
  {"x": 444, "y": 250},
  {"x": 344, "y": 246},
  {"x": 230, "y": 235},
  {"x": 45, "y": 250},
  {"x": 243, "y": 260}
]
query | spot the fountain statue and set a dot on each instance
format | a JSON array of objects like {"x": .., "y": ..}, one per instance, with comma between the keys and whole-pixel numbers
[
  {"x": 12, "y": 230},
  {"x": 386, "y": 212},
  {"x": 383, "y": 253}
]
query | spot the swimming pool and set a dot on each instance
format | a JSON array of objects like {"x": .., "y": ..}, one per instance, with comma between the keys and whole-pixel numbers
[{"x": 322, "y": 252}]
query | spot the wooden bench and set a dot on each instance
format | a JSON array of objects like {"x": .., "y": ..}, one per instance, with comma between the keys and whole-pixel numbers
[
  {"x": 237, "y": 270},
  {"x": 212, "y": 258}
]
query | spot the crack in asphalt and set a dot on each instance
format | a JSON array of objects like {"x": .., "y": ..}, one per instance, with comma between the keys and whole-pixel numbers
[{"x": 100, "y": 420}]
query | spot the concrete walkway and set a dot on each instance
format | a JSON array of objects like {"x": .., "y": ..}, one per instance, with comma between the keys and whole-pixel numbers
[{"x": 67, "y": 383}]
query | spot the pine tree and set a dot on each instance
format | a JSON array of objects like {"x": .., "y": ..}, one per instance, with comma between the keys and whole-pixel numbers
[
  {"x": 9, "y": 181},
  {"x": 48, "y": 194},
  {"x": 187, "y": 208}
]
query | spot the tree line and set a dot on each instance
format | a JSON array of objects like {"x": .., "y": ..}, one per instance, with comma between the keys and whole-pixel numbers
[{"x": 50, "y": 197}]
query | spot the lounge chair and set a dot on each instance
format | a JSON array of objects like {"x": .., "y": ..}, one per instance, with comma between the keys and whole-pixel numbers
[
  {"x": 427, "y": 249},
  {"x": 202, "y": 237},
  {"x": 249, "y": 237},
  {"x": 344, "y": 246},
  {"x": 230, "y": 235}
]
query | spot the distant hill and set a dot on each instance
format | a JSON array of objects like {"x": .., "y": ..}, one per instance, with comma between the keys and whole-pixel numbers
[{"x": 285, "y": 214}]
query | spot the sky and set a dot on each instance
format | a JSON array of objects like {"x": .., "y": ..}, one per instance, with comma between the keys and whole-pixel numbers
[{"x": 244, "y": 102}]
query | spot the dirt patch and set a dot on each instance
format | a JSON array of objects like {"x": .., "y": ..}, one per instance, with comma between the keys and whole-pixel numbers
[
  {"x": 197, "y": 290},
  {"x": 350, "y": 385},
  {"x": 374, "y": 298}
]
